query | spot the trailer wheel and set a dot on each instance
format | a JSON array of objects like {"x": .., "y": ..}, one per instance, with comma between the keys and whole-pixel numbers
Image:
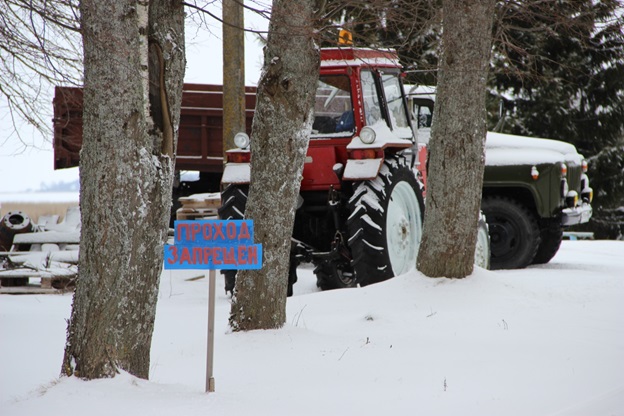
[
  {"x": 483, "y": 253},
  {"x": 514, "y": 234},
  {"x": 551, "y": 235},
  {"x": 233, "y": 202},
  {"x": 385, "y": 225}
]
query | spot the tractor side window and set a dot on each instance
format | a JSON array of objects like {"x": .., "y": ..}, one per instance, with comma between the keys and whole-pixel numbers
[
  {"x": 372, "y": 112},
  {"x": 333, "y": 108},
  {"x": 396, "y": 106}
]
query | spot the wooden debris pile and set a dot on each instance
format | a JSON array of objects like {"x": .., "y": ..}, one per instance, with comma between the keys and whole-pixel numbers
[{"x": 39, "y": 258}]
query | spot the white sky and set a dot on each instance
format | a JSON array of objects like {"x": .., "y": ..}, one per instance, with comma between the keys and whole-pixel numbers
[{"x": 26, "y": 169}]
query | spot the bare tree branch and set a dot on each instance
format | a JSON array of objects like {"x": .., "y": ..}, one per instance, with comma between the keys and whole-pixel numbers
[{"x": 39, "y": 47}]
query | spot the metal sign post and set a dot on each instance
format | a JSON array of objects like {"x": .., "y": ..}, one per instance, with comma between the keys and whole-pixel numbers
[
  {"x": 213, "y": 245},
  {"x": 210, "y": 383}
]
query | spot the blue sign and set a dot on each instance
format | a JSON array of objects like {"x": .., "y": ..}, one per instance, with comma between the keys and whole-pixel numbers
[{"x": 213, "y": 244}]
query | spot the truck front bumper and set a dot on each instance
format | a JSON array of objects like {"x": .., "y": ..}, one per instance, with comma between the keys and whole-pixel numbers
[{"x": 577, "y": 215}]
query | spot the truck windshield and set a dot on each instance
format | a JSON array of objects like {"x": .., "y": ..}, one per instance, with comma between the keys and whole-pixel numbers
[{"x": 333, "y": 109}]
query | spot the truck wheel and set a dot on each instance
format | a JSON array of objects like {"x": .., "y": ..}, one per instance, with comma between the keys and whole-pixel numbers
[
  {"x": 385, "y": 225},
  {"x": 514, "y": 234},
  {"x": 551, "y": 235},
  {"x": 233, "y": 202},
  {"x": 482, "y": 250}
]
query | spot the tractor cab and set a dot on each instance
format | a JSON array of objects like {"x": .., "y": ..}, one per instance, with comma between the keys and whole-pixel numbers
[{"x": 360, "y": 111}]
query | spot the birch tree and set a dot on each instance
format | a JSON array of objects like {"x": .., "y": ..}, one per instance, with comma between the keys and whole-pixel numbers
[{"x": 133, "y": 72}]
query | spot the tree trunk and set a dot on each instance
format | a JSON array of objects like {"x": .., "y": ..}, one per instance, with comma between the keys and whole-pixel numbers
[
  {"x": 456, "y": 151},
  {"x": 134, "y": 69},
  {"x": 280, "y": 134}
]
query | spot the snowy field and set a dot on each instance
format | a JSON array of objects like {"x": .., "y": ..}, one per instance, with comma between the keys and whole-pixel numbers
[{"x": 547, "y": 340}]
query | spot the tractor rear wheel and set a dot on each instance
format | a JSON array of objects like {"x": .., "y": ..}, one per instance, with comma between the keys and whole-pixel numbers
[
  {"x": 385, "y": 225},
  {"x": 233, "y": 202}
]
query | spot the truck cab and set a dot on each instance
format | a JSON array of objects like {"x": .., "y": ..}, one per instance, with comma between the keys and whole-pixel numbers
[{"x": 533, "y": 189}]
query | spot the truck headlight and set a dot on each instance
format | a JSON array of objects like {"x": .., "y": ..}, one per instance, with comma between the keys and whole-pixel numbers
[
  {"x": 587, "y": 195},
  {"x": 241, "y": 140},
  {"x": 571, "y": 199}
]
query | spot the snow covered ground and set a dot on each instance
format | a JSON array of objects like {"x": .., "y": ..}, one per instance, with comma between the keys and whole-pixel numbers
[
  {"x": 43, "y": 197},
  {"x": 547, "y": 340}
]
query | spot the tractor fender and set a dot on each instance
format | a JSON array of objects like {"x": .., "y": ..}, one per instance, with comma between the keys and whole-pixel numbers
[
  {"x": 362, "y": 169},
  {"x": 236, "y": 173}
]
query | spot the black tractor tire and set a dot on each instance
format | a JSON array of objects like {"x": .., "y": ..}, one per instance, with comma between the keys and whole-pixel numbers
[
  {"x": 385, "y": 224},
  {"x": 551, "y": 234},
  {"x": 514, "y": 233},
  {"x": 233, "y": 202}
]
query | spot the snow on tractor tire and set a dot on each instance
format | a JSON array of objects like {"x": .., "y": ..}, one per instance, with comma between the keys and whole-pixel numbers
[{"x": 385, "y": 226}]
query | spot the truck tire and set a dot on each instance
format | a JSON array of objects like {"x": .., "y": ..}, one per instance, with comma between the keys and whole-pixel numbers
[
  {"x": 385, "y": 224},
  {"x": 551, "y": 234},
  {"x": 233, "y": 202},
  {"x": 483, "y": 253},
  {"x": 514, "y": 234}
]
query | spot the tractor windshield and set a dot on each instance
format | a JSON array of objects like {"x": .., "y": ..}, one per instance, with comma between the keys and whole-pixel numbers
[{"x": 333, "y": 109}]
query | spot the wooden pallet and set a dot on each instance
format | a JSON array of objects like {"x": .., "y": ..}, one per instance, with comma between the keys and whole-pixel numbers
[
  {"x": 28, "y": 290},
  {"x": 48, "y": 282},
  {"x": 199, "y": 206}
]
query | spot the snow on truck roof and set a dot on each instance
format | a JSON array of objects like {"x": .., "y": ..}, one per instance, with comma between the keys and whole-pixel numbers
[
  {"x": 359, "y": 57},
  {"x": 508, "y": 149},
  {"x": 505, "y": 149}
]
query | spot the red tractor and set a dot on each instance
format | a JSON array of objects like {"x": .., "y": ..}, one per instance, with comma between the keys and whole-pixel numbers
[{"x": 360, "y": 211}]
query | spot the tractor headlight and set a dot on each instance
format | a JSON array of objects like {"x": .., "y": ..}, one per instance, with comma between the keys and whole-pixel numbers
[
  {"x": 368, "y": 135},
  {"x": 241, "y": 140}
]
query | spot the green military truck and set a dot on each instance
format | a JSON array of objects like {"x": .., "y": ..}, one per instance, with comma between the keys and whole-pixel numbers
[{"x": 532, "y": 190}]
